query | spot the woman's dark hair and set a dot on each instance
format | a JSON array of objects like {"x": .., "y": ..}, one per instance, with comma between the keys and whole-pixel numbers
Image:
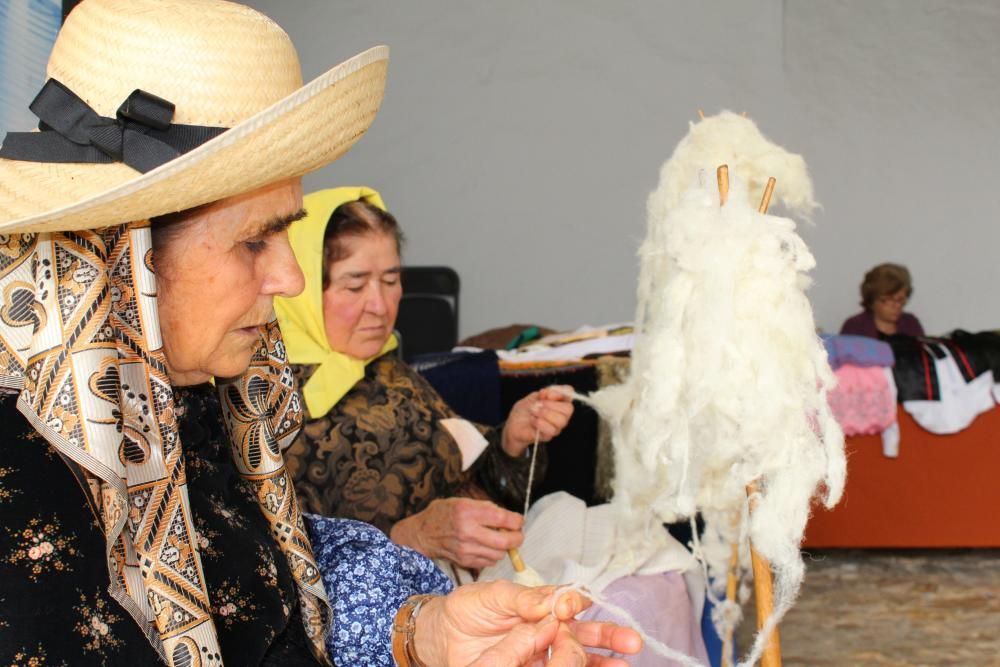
[
  {"x": 164, "y": 228},
  {"x": 885, "y": 280},
  {"x": 350, "y": 220}
]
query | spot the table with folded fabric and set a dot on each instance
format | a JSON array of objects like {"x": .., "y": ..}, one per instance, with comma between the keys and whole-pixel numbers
[
  {"x": 937, "y": 486},
  {"x": 906, "y": 486}
]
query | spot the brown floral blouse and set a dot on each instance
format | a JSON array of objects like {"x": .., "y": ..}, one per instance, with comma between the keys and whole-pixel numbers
[
  {"x": 381, "y": 454},
  {"x": 54, "y": 604}
]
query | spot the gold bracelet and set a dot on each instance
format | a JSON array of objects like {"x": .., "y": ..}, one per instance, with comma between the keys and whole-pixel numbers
[{"x": 404, "y": 650}]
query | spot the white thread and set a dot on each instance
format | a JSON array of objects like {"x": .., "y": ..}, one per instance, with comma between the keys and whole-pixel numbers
[
  {"x": 528, "y": 576},
  {"x": 531, "y": 473}
]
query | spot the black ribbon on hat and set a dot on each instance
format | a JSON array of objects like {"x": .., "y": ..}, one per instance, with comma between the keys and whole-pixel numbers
[{"x": 141, "y": 135}]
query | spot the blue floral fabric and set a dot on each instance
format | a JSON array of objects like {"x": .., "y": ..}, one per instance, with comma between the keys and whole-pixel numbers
[{"x": 367, "y": 578}]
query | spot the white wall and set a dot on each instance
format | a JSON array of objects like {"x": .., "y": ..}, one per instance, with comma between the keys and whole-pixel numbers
[
  {"x": 27, "y": 31},
  {"x": 518, "y": 140}
]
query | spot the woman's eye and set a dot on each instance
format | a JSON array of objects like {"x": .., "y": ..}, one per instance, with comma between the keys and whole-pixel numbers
[
  {"x": 390, "y": 281},
  {"x": 255, "y": 245},
  {"x": 355, "y": 289}
]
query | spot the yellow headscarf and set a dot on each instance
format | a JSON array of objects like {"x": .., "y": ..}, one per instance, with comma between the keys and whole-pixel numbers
[{"x": 301, "y": 317}]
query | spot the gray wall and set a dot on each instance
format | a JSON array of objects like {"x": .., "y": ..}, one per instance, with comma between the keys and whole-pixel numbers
[{"x": 518, "y": 140}]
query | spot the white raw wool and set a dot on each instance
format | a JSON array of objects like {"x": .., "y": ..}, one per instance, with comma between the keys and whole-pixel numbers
[
  {"x": 528, "y": 577},
  {"x": 734, "y": 140},
  {"x": 729, "y": 379}
]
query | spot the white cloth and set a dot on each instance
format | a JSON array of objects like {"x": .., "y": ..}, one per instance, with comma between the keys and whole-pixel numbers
[
  {"x": 890, "y": 441},
  {"x": 890, "y": 436},
  {"x": 584, "y": 341},
  {"x": 568, "y": 542},
  {"x": 961, "y": 402},
  {"x": 470, "y": 441}
]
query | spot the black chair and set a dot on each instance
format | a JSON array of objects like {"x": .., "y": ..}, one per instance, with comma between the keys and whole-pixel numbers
[{"x": 428, "y": 311}]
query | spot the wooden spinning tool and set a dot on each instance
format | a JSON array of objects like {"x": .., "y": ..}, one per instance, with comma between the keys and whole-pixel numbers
[
  {"x": 516, "y": 560},
  {"x": 763, "y": 584}
]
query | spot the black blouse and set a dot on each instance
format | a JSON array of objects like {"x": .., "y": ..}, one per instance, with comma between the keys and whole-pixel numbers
[{"x": 54, "y": 604}]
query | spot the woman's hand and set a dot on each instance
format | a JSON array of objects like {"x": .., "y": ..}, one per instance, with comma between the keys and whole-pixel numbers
[
  {"x": 471, "y": 533},
  {"x": 546, "y": 411},
  {"x": 502, "y": 624}
]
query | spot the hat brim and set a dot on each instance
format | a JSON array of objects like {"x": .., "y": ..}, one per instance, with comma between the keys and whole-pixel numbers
[{"x": 310, "y": 128}]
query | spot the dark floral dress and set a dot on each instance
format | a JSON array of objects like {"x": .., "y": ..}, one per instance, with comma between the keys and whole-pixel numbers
[
  {"x": 381, "y": 454},
  {"x": 54, "y": 604}
]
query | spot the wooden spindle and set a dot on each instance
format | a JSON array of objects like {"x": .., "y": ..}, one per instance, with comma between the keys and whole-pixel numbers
[
  {"x": 763, "y": 593},
  {"x": 732, "y": 581},
  {"x": 516, "y": 560},
  {"x": 763, "y": 584},
  {"x": 765, "y": 200}
]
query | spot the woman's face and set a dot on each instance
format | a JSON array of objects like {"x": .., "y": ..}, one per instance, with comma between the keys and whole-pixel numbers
[
  {"x": 360, "y": 305},
  {"x": 888, "y": 308},
  {"x": 217, "y": 275}
]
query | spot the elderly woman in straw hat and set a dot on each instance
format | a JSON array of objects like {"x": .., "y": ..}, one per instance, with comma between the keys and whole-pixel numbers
[{"x": 147, "y": 513}]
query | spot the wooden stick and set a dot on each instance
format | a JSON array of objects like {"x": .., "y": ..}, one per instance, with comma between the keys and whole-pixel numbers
[
  {"x": 763, "y": 593},
  {"x": 765, "y": 201},
  {"x": 763, "y": 582},
  {"x": 701, "y": 114},
  {"x": 516, "y": 560},
  {"x": 722, "y": 174},
  {"x": 732, "y": 580},
  {"x": 763, "y": 585}
]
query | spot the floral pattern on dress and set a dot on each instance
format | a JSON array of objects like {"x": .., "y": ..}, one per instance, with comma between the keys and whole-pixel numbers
[
  {"x": 220, "y": 508},
  {"x": 33, "y": 658},
  {"x": 231, "y": 604},
  {"x": 368, "y": 577},
  {"x": 266, "y": 569},
  {"x": 7, "y": 491},
  {"x": 95, "y": 625},
  {"x": 42, "y": 547},
  {"x": 205, "y": 536},
  {"x": 55, "y": 608}
]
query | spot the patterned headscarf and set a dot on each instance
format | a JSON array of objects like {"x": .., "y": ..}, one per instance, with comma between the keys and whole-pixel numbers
[{"x": 80, "y": 340}]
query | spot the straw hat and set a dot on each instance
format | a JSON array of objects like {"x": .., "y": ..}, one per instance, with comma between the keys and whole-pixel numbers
[{"x": 221, "y": 65}]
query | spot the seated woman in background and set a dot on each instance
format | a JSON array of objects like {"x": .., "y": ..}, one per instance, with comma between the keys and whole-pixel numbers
[
  {"x": 884, "y": 293},
  {"x": 380, "y": 444}
]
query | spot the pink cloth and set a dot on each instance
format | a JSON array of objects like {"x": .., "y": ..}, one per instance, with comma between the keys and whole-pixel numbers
[
  {"x": 863, "y": 402},
  {"x": 660, "y": 606}
]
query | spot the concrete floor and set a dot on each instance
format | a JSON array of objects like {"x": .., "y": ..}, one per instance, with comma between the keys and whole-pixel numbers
[{"x": 896, "y": 608}]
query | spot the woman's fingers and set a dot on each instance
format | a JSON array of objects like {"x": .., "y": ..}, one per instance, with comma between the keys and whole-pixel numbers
[
  {"x": 566, "y": 650},
  {"x": 557, "y": 392},
  {"x": 490, "y": 514},
  {"x": 534, "y": 604},
  {"x": 549, "y": 425},
  {"x": 491, "y": 538},
  {"x": 482, "y": 532},
  {"x": 523, "y": 643},
  {"x": 595, "y": 660},
  {"x": 610, "y": 636},
  {"x": 467, "y": 513}
]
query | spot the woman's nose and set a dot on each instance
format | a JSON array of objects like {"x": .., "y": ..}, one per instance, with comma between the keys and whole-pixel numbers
[
  {"x": 377, "y": 301},
  {"x": 284, "y": 276}
]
